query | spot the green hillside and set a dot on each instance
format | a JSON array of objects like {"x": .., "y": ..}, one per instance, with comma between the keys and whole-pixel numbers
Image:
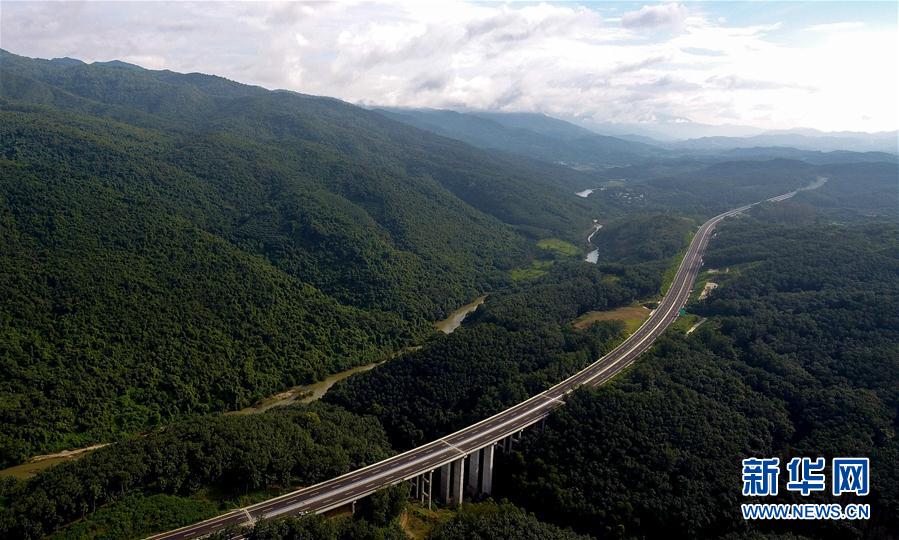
[{"x": 176, "y": 244}]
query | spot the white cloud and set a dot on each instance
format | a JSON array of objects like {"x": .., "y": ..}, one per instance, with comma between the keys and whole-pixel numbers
[
  {"x": 663, "y": 15},
  {"x": 561, "y": 59},
  {"x": 836, "y": 27}
]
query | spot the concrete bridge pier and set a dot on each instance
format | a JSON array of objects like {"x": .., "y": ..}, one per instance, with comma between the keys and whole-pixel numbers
[
  {"x": 487, "y": 470},
  {"x": 467, "y": 476},
  {"x": 452, "y": 482},
  {"x": 445, "y": 487},
  {"x": 473, "y": 476},
  {"x": 458, "y": 482}
]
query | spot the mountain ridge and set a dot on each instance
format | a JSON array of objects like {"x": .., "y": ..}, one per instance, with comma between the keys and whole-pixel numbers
[{"x": 176, "y": 244}]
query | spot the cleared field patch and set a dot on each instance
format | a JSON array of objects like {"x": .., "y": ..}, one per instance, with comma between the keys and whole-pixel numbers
[
  {"x": 632, "y": 316},
  {"x": 707, "y": 289},
  {"x": 559, "y": 247},
  {"x": 538, "y": 268},
  {"x": 684, "y": 323}
]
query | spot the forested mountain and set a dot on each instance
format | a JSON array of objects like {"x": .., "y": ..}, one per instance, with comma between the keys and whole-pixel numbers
[
  {"x": 174, "y": 244},
  {"x": 701, "y": 189},
  {"x": 810, "y": 156},
  {"x": 146, "y": 484},
  {"x": 538, "y": 123},
  {"x": 531, "y": 135},
  {"x": 813, "y": 140},
  {"x": 799, "y": 358},
  {"x": 642, "y": 238},
  {"x": 549, "y": 139},
  {"x": 517, "y": 344}
]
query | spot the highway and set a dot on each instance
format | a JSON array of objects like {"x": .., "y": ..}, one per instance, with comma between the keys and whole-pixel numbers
[{"x": 357, "y": 484}]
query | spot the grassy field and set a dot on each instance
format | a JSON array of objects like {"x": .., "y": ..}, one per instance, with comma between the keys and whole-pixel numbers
[
  {"x": 632, "y": 316},
  {"x": 559, "y": 247},
  {"x": 535, "y": 270},
  {"x": 683, "y": 323}
]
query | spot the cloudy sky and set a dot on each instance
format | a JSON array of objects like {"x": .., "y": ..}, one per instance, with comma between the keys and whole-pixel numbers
[{"x": 826, "y": 65}]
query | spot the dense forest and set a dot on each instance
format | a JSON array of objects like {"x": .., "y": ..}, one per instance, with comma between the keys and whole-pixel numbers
[
  {"x": 642, "y": 238},
  {"x": 854, "y": 190},
  {"x": 380, "y": 516},
  {"x": 224, "y": 456},
  {"x": 504, "y": 521},
  {"x": 518, "y": 343},
  {"x": 178, "y": 244},
  {"x": 800, "y": 357}
]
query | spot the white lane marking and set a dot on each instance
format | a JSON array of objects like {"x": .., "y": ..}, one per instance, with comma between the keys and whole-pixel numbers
[{"x": 456, "y": 448}]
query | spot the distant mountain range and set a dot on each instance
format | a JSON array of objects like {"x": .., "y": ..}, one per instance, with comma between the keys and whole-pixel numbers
[
  {"x": 846, "y": 141},
  {"x": 541, "y": 137},
  {"x": 534, "y": 135},
  {"x": 691, "y": 135}
]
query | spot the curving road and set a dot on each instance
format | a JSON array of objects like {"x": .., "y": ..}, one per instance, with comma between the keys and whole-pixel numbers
[{"x": 359, "y": 483}]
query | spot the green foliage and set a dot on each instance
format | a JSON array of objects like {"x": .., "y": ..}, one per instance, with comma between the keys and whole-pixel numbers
[
  {"x": 485, "y": 521},
  {"x": 855, "y": 191},
  {"x": 722, "y": 186},
  {"x": 136, "y": 516},
  {"x": 316, "y": 527},
  {"x": 176, "y": 244},
  {"x": 642, "y": 238},
  {"x": 180, "y": 244},
  {"x": 537, "y": 269},
  {"x": 503, "y": 521},
  {"x": 852, "y": 191},
  {"x": 230, "y": 454},
  {"x": 558, "y": 247},
  {"x": 518, "y": 343},
  {"x": 383, "y": 506},
  {"x": 799, "y": 358},
  {"x": 569, "y": 290}
]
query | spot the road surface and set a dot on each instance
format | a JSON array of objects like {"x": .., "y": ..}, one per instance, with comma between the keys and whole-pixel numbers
[{"x": 357, "y": 484}]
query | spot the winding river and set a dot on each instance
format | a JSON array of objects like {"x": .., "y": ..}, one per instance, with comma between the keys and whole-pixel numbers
[{"x": 449, "y": 324}]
